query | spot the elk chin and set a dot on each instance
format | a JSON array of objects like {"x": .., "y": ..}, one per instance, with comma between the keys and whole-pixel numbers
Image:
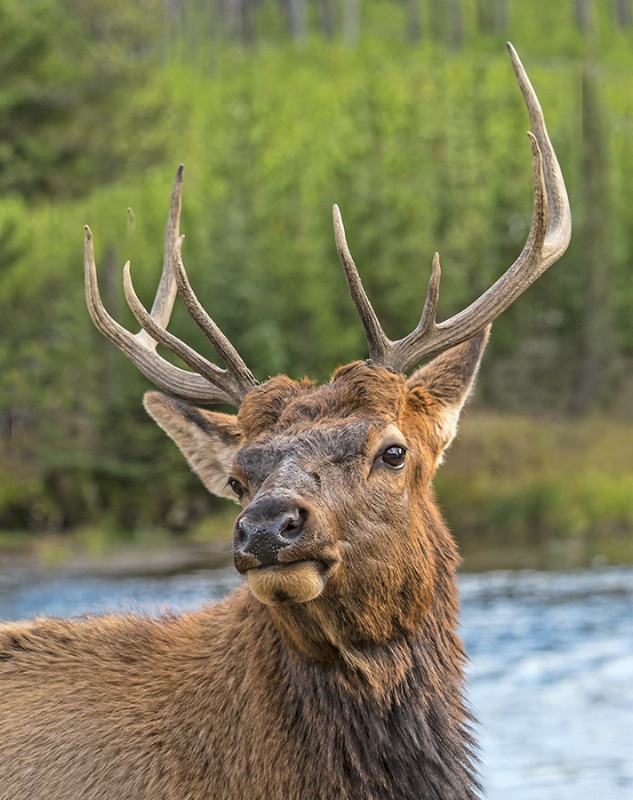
[{"x": 295, "y": 583}]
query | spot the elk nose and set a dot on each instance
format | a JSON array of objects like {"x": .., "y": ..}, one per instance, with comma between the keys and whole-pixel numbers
[{"x": 264, "y": 528}]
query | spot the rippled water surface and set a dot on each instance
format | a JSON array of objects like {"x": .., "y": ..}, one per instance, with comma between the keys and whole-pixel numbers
[{"x": 551, "y": 673}]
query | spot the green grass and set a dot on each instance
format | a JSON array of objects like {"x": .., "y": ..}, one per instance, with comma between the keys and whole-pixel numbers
[{"x": 559, "y": 488}]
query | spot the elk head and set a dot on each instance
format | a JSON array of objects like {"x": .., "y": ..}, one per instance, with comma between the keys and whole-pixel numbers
[{"x": 334, "y": 480}]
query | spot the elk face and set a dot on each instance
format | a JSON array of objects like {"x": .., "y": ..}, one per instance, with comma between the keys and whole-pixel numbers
[{"x": 332, "y": 480}]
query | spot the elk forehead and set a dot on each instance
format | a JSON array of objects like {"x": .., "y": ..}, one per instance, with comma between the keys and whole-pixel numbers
[{"x": 359, "y": 391}]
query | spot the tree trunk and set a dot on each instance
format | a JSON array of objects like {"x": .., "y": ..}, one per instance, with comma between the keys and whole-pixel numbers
[
  {"x": 622, "y": 13},
  {"x": 584, "y": 17},
  {"x": 492, "y": 16},
  {"x": 239, "y": 20},
  {"x": 446, "y": 24},
  {"x": 598, "y": 357},
  {"x": 413, "y": 21},
  {"x": 297, "y": 21},
  {"x": 456, "y": 26},
  {"x": 351, "y": 22},
  {"x": 327, "y": 18},
  {"x": 500, "y": 15}
]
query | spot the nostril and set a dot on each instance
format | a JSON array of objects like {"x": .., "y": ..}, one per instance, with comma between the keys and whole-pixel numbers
[
  {"x": 264, "y": 529},
  {"x": 292, "y": 523},
  {"x": 244, "y": 530}
]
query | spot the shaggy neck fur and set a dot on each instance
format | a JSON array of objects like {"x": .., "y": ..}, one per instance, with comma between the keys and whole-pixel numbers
[
  {"x": 387, "y": 721},
  {"x": 392, "y": 706}
]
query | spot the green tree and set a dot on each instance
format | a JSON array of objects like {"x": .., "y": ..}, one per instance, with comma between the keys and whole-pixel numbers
[{"x": 63, "y": 67}]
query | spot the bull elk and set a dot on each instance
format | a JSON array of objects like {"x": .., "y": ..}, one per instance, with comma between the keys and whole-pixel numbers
[{"x": 336, "y": 670}]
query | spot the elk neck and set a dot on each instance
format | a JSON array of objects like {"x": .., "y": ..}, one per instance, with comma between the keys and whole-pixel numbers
[
  {"x": 375, "y": 632},
  {"x": 399, "y": 700}
]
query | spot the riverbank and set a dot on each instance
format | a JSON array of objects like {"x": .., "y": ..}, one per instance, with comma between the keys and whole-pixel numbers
[
  {"x": 69, "y": 555},
  {"x": 164, "y": 556}
]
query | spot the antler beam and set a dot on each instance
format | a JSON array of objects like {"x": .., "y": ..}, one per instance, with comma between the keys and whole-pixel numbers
[{"x": 548, "y": 238}]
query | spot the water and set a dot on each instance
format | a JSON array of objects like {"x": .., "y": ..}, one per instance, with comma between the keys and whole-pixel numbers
[
  {"x": 551, "y": 672},
  {"x": 551, "y": 681}
]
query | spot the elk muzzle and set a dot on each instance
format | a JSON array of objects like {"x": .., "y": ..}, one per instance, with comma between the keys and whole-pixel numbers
[{"x": 275, "y": 549}]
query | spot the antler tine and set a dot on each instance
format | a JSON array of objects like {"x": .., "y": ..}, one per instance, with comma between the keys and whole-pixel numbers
[
  {"x": 166, "y": 293},
  {"x": 230, "y": 390},
  {"x": 212, "y": 385},
  {"x": 379, "y": 345},
  {"x": 549, "y": 236},
  {"x": 236, "y": 369},
  {"x": 559, "y": 228}
]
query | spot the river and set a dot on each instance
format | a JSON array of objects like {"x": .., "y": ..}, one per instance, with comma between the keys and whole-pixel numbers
[{"x": 550, "y": 674}]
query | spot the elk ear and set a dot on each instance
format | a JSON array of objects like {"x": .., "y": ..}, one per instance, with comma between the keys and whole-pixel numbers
[
  {"x": 443, "y": 385},
  {"x": 207, "y": 439}
]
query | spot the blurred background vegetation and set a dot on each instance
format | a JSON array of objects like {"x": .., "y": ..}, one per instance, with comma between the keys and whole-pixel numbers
[{"x": 405, "y": 113}]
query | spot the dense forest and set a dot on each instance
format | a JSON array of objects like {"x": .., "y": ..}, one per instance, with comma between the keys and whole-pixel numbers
[{"x": 405, "y": 113}]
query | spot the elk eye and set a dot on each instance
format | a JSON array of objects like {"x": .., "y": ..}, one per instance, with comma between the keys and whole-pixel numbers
[
  {"x": 394, "y": 456},
  {"x": 236, "y": 487}
]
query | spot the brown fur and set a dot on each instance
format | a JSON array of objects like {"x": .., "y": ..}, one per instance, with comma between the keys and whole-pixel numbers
[{"x": 355, "y": 692}]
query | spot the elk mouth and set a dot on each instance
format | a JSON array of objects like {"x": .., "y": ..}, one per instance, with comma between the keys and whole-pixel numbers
[{"x": 296, "y": 582}]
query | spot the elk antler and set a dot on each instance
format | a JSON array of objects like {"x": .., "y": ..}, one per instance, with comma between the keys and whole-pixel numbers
[
  {"x": 210, "y": 383},
  {"x": 549, "y": 236}
]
